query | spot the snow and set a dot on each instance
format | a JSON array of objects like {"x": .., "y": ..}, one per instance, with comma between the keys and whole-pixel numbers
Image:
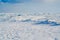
[
  {"x": 29, "y": 21},
  {"x": 13, "y": 28}
]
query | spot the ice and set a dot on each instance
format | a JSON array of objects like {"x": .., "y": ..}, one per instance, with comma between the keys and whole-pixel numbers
[
  {"x": 29, "y": 21},
  {"x": 14, "y": 31},
  {"x": 53, "y": 21},
  {"x": 22, "y": 27}
]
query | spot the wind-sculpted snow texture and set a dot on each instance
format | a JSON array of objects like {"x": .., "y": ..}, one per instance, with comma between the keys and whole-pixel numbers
[{"x": 22, "y": 27}]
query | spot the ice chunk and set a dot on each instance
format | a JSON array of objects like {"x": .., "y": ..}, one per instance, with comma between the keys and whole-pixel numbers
[
  {"x": 27, "y": 20},
  {"x": 30, "y": 18},
  {"x": 39, "y": 20},
  {"x": 53, "y": 23},
  {"x": 22, "y": 18},
  {"x": 50, "y": 22},
  {"x": 42, "y": 22},
  {"x": 36, "y": 18}
]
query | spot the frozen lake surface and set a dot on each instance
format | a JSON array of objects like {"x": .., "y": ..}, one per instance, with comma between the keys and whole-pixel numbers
[{"x": 22, "y": 27}]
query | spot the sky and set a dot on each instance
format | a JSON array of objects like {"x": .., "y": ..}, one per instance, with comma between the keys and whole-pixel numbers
[
  {"x": 52, "y": 6},
  {"x": 40, "y": 1}
]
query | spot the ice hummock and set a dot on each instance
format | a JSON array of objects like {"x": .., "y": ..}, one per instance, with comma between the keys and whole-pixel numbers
[
  {"x": 16, "y": 26},
  {"x": 33, "y": 19}
]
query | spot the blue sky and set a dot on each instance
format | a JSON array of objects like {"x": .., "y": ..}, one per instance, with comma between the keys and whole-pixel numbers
[{"x": 52, "y": 6}]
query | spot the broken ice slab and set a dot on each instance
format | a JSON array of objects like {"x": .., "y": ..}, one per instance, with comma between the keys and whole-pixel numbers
[
  {"x": 22, "y": 18},
  {"x": 42, "y": 22},
  {"x": 51, "y": 23},
  {"x": 36, "y": 18},
  {"x": 39, "y": 20},
  {"x": 27, "y": 20}
]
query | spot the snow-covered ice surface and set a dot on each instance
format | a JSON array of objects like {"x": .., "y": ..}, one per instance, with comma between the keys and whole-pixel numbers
[
  {"x": 22, "y": 27},
  {"x": 26, "y": 20}
]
